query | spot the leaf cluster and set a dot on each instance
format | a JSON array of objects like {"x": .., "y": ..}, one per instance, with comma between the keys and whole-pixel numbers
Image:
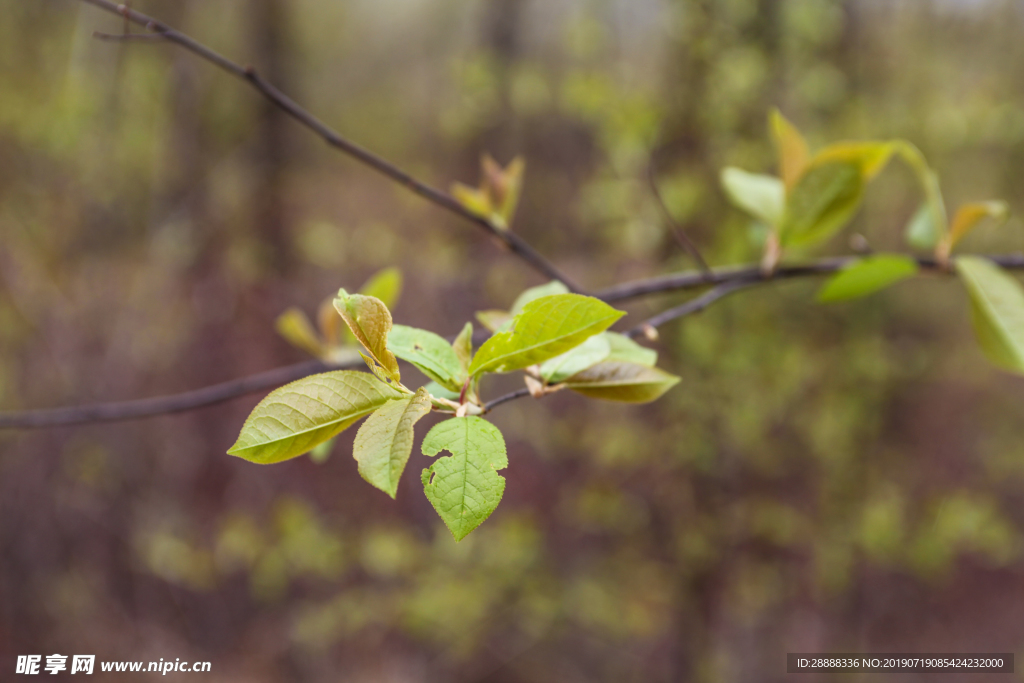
[
  {"x": 558, "y": 339},
  {"x": 816, "y": 195}
]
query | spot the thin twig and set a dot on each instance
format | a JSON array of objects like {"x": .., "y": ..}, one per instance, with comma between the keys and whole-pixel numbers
[
  {"x": 163, "y": 405},
  {"x": 513, "y": 242},
  {"x": 518, "y": 393},
  {"x": 677, "y": 230},
  {"x": 695, "y": 305},
  {"x": 129, "y": 37},
  {"x": 675, "y": 282}
]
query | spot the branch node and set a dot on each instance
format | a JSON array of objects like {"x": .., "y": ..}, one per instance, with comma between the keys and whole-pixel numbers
[
  {"x": 859, "y": 243},
  {"x": 534, "y": 386}
]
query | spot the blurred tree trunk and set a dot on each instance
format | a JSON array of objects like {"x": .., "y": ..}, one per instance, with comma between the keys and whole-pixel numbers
[
  {"x": 269, "y": 32},
  {"x": 502, "y": 33},
  {"x": 185, "y": 198}
]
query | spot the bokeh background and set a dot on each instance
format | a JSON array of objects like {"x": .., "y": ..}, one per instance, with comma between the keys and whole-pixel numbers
[{"x": 844, "y": 478}]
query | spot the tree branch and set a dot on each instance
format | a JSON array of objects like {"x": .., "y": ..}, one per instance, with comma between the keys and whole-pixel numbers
[
  {"x": 510, "y": 240},
  {"x": 128, "y": 37},
  {"x": 675, "y": 282},
  {"x": 695, "y": 305},
  {"x": 518, "y": 393},
  {"x": 165, "y": 405},
  {"x": 728, "y": 281}
]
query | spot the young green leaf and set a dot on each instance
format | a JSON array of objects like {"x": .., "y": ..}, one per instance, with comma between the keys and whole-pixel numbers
[
  {"x": 497, "y": 195},
  {"x": 429, "y": 352},
  {"x": 295, "y": 327},
  {"x": 823, "y": 201},
  {"x": 463, "y": 347},
  {"x": 473, "y": 199},
  {"x": 869, "y": 157},
  {"x": 504, "y": 186},
  {"x": 924, "y": 233},
  {"x": 626, "y": 382},
  {"x": 546, "y": 327},
  {"x": 465, "y": 487},
  {"x": 384, "y": 442},
  {"x": 590, "y": 352},
  {"x": 628, "y": 351},
  {"x": 791, "y": 148},
  {"x": 997, "y": 307},
  {"x": 370, "y": 321},
  {"x": 294, "y": 418},
  {"x": 534, "y": 293},
  {"x": 867, "y": 276},
  {"x": 761, "y": 196},
  {"x": 921, "y": 231},
  {"x": 970, "y": 215},
  {"x": 385, "y": 285}
]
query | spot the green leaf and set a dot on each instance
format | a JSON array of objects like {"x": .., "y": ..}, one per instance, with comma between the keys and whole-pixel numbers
[
  {"x": 504, "y": 186},
  {"x": 370, "y": 321},
  {"x": 546, "y": 327},
  {"x": 385, "y": 285},
  {"x": 997, "y": 305},
  {"x": 384, "y": 442},
  {"x": 921, "y": 231},
  {"x": 463, "y": 347},
  {"x": 590, "y": 352},
  {"x": 790, "y": 146},
  {"x": 464, "y": 487},
  {"x": 626, "y": 382},
  {"x": 628, "y": 351},
  {"x": 968, "y": 216},
  {"x": 534, "y": 293},
  {"x": 761, "y": 196},
  {"x": 294, "y": 418},
  {"x": 867, "y": 276},
  {"x": 429, "y": 352},
  {"x": 823, "y": 201},
  {"x": 870, "y": 157},
  {"x": 295, "y": 327},
  {"x": 322, "y": 452},
  {"x": 473, "y": 199}
]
